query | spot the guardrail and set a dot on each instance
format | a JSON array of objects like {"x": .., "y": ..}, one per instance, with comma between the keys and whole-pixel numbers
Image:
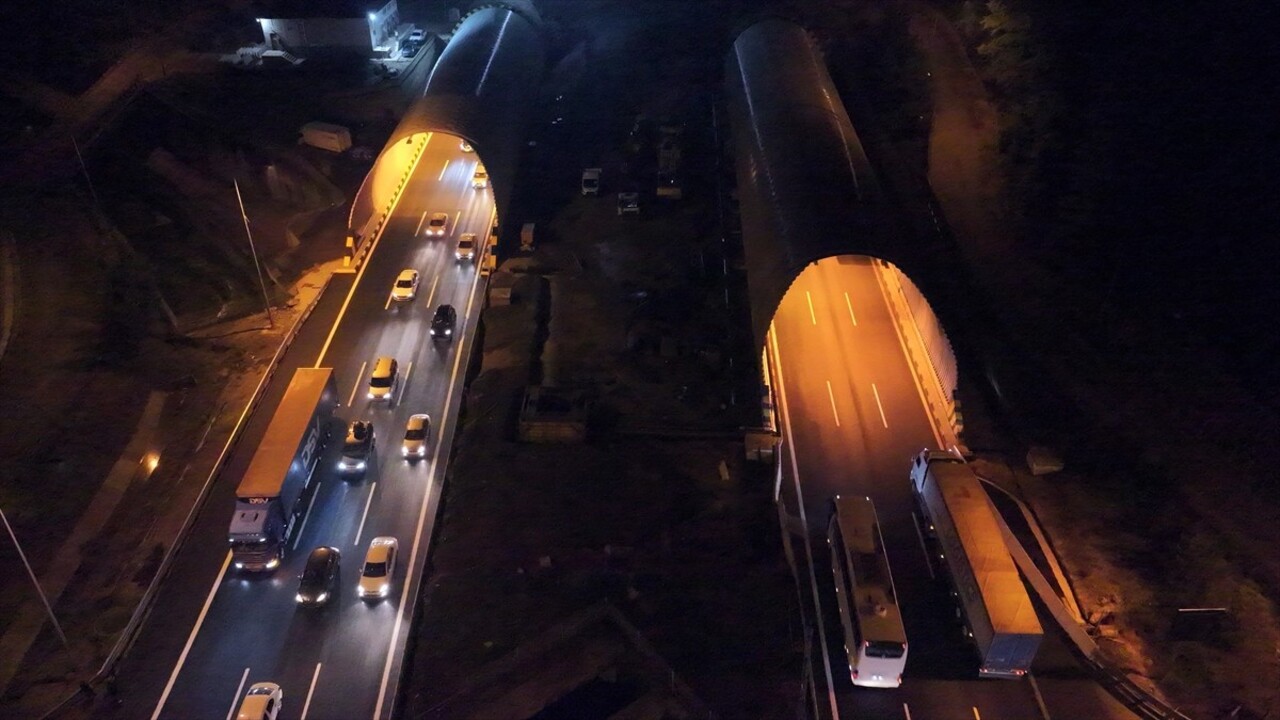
[
  {"x": 130, "y": 633},
  {"x": 358, "y": 243}
]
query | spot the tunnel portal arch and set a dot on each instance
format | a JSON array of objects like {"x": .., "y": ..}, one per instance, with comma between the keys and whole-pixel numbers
[
  {"x": 807, "y": 191},
  {"x": 481, "y": 89}
]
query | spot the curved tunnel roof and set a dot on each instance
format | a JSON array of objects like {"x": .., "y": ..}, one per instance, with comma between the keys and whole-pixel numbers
[
  {"x": 481, "y": 88},
  {"x": 805, "y": 187}
]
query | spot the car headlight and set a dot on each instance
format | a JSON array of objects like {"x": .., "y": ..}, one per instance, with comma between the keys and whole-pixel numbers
[
  {"x": 239, "y": 566},
  {"x": 382, "y": 591},
  {"x": 272, "y": 563},
  {"x": 298, "y": 597},
  {"x": 322, "y": 597},
  {"x": 448, "y": 331},
  {"x": 404, "y": 450}
]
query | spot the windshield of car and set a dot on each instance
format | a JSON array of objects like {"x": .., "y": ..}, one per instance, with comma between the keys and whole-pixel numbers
[
  {"x": 380, "y": 382},
  {"x": 466, "y": 242},
  {"x": 404, "y": 282},
  {"x": 437, "y": 222},
  {"x": 353, "y": 445},
  {"x": 375, "y": 569},
  {"x": 415, "y": 433},
  {"x": 314, "y": 573}
]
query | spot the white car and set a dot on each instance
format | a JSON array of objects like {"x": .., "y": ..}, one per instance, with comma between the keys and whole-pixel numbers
[
  {"x": 262, "y": 702},
  {"x": 465, "y": 146},
  {"x": 406, "y": 287},
  {"x": 466, "y": 247},
  {"x": 379, "y": 566},
  {"x": 438, "y": 225},
  {"x": 417, "y": 36},
  {"x": 415, "y": 436},
  {"x": 480, "y": 179}
]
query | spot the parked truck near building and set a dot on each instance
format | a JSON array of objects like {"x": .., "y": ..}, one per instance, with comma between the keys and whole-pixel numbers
[
  {"x": 996, "y": 608},
  {"x": 267, "y": 499}
]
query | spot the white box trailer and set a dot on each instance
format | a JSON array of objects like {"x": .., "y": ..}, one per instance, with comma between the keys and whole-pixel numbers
[
  {"x": 996, "y": 607},
  {"x": 326, "y": 136}
]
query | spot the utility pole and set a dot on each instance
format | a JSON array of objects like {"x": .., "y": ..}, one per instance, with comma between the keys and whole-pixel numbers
[
  {"x": 243, "y": 216},
  {"x": 34, "y": 581}
]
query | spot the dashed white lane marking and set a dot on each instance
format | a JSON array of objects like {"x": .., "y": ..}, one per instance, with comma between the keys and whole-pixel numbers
[
  {"x": 812, "y": 318},
  {"x": 356, "y": 386},
  {"x": 368, "y": 501},
  {"x": 446, "y": 167},
  {"x": 310, "y": 691},
  {"x": 876, "y": 392},
  {"x": 235, "y": 699},
  {"x": 420, "y": 221},
  {"x": 314, "y": 494},
  {"x": 832, "y": 397},
  {"x": 849, "y": 305}
]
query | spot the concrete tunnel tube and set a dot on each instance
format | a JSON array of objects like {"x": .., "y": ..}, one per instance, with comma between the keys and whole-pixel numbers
[
  {"x": 481, "y": 90},
  {"x": 808, "y": 194}
]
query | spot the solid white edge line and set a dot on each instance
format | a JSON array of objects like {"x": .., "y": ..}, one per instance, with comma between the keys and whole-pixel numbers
[
  {"x": 191, "y": 639},
  {"x": 367, "y": 261},
  {"x": 311, "y": 691},
  {"x": 235, "y": 699},
  {"x": 879, "y": 406},
  {"x": 784, "y": 417},
  {"x": 356, "y": 385},
  {"x": 365, "y": 516},
  {"x": 849, "y": 305},
  {"x": 422, "y": 515},
  {"x": 832, "y": 397}
]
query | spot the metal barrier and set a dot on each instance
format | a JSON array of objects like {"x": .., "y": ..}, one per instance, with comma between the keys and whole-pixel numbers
[{"x": 131, "y": 629}]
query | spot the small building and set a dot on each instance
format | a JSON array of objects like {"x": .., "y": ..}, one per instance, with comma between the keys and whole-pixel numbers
[{"x": 303, "y": 27}]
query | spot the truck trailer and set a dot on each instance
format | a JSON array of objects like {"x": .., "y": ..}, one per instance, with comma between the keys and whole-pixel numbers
[
  {"x": 997, "y": 610},
  {"x": 267, "y": 499}
]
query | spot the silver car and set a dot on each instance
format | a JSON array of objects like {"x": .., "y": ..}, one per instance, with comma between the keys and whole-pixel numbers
[{"x": 379, "y": 566}]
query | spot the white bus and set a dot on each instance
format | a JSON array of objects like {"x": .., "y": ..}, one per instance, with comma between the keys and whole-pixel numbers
[{"x": 874, "y": 639}]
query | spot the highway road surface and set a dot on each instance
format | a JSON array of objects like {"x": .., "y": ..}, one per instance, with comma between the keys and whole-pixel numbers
[
  {"x": 213, "y": 632},
  {"x": 852, "y": 417}
]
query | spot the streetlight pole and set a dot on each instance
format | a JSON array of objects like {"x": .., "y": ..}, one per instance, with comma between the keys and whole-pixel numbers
[
  {"x": 35, "y": 582},
  {"x": 243, "y": 216}
]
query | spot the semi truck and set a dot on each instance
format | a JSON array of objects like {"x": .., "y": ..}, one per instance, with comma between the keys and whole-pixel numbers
[
  {"x": 267, "y": 498},
  {"x": 993, "y": 601}
]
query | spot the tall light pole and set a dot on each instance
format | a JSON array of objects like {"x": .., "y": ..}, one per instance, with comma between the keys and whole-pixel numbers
[
  {"x": 243, "y": 216},
  {"x": 34, "y": 581}
]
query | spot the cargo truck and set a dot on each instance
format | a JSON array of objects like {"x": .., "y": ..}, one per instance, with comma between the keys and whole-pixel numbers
[
  {"x": 996, "y": 608},
  {"x": 267, "y": 499}
]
